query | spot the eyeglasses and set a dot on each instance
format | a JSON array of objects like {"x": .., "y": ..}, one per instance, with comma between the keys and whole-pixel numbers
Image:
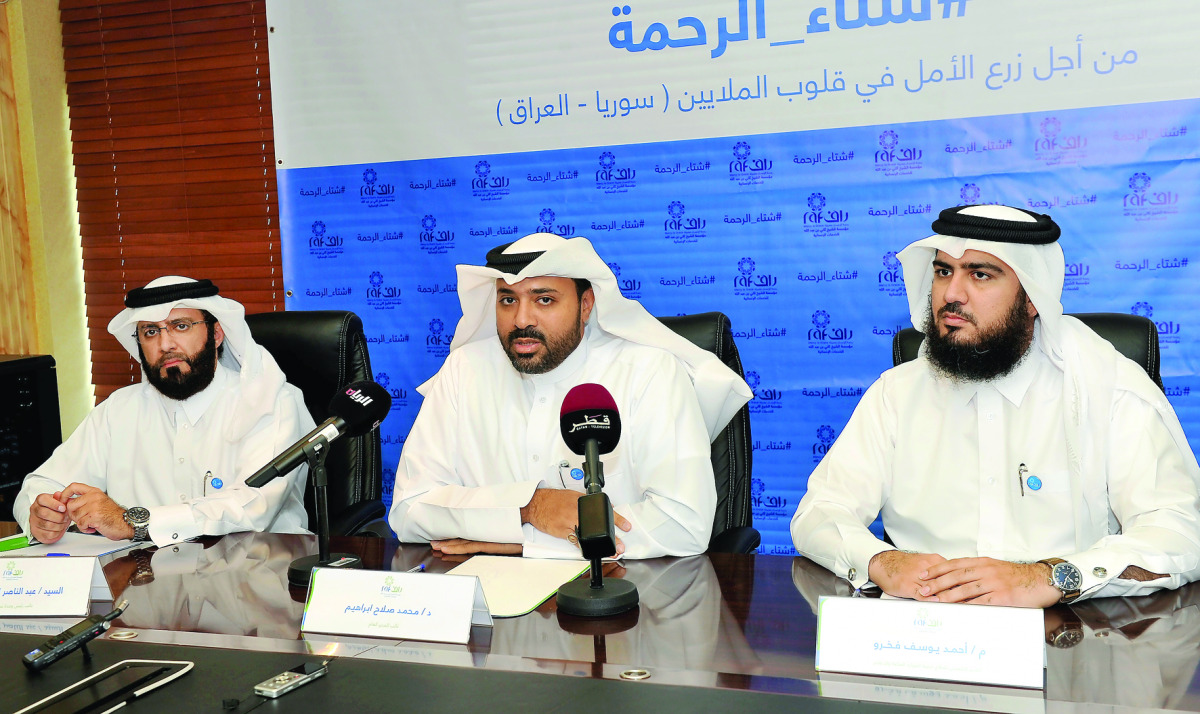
[{"x": 179, "y": 327}]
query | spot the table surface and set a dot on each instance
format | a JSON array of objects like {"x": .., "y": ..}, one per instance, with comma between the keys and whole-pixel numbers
[{"x": 717, "y": 621}]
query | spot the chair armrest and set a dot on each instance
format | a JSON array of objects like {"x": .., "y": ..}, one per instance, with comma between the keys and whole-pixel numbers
[
  {"x": 739, "y": 539},
  {"x": 351, "y": 519}
]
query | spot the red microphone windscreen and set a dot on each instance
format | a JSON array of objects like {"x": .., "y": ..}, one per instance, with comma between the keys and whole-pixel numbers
[
  {"x": 587, "y": 396},
  {"x": 589, "y": 413}
]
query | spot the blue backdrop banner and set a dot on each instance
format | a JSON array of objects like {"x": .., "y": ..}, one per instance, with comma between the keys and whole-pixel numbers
[{"x": 793, "y": 234}]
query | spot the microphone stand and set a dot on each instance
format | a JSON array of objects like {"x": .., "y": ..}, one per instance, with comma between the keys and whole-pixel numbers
[
  {"x": 600, "y": 596},
  {"x": 300, "y": 571}
]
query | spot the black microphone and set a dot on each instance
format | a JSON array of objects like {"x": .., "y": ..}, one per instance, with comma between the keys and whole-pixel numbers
[
  {"x": 591, "y": 426},
  {"x": 356, "y": 409}
]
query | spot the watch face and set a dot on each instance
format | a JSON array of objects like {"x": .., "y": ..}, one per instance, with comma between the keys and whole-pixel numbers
[
  {"x": 137, "y": 514},
  {"x": 1066, "y": 577},
  {"x": 1067, "y": 639}
]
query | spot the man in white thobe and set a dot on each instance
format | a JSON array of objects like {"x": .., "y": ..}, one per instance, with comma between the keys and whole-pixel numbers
[
  {"x": 166, "y": 459},
  {"x": 485, "y": 468},
  {"x": 1020, "y": 459}
]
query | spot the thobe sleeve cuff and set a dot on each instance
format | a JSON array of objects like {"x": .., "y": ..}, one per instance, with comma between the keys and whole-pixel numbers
[
  {"x": 179, "y": 559},
  {"x": 1098, "y": 567},
  {"x": 171, "y": 524},
  {"x": 543, "y": 545},
  {"x": 859, "y": 549}
]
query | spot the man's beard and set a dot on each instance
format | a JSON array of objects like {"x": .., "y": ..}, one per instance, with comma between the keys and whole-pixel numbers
[
  {"x": 993, "y": 353},
  {"x": 557, "y": 349},
  {"x": 176, "y": 384}
]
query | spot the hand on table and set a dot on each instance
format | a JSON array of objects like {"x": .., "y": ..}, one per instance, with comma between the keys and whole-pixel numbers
[
  {"x": 94, "y": 512},
  {"x": 48, "y": 517},
  {"x": 901, "y": 574},
  {"x": 556, "y": 511},
  {"x": 987, "y": 581},
  {"x": 461, "y": 546}
]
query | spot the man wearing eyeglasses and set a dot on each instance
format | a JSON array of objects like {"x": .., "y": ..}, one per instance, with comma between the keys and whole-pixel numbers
[{"x": 166, "y": 459}]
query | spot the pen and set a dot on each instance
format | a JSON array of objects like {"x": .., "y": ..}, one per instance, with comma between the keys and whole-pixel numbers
[
  {"x": 416, "y": 569},
  {"x": 14, "y": 542},
  {"x": 1021, "y": 471}
]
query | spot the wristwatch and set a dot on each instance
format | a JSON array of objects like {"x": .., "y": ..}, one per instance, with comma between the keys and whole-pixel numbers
[
  {"x": 139, "y": 518},
  {"x": 1066, "y": 635},
  {"x": 143, "y": 573},
  {"x": 1065, "y": 577}
]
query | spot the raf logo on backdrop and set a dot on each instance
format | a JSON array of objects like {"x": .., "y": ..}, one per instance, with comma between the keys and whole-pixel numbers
[
  {"x": 630, "y": 287},
  {"x": 1144, "y": 204},
  {"x": 547, "y": 224},
  {"x": 381, "y": 295},
  {"x": 1168, "y": 330},
  {"x": 891, "y": 280},
  {"x": 971, "y": 195},
  {"x": 486, "y": 187},
  {"x": 323, "y": 244},
  {"x": 1077, "y": 276},
  {"x": 767, "y": 507},
  {"x": 611, "y": 179},
  {"x": 434, "y": 241},
  {"x": 749, "y": 286},
  {"x": 748, "y": 171},
  {"x": 766, "y": 401},
  {"x": 894, "y": 160},
  {"x": 376, "y": 194},
  {"x": 825, "y": 437},
  {"x": 437, "y": 342},
  {"x": 389, "y": 483},
  {"x": 821, "y": 221},
  {"x": 399, "y": 395},
  {"x": 681, "y": 228},
  {"x": 827, "y": 339},
  {"x": 1056, "y": 148}
]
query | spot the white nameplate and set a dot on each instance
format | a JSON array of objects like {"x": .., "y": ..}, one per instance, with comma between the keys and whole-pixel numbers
[
  {"x": 941, "y": 641},
  {"x": 46, "y": 587},
  {"x": 402, "y": 606}
]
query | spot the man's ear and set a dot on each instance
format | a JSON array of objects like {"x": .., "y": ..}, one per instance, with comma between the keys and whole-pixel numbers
[
  {"x": 218, "y": 334},
  {"x": 1030, "y": 307},
  {"x": 586, "y": 302}
]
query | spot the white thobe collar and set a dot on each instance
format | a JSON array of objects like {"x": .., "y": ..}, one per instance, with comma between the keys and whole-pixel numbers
[
  {"x": 569, "y": 368},
  {"x": 1012, "y": 386},
  {"x": 194, "y": 407}
]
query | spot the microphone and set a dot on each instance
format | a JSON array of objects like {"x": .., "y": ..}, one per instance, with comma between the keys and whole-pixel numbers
[
  {"x": 590, "y": 426},
  {"x": 589, "y": 418},
  {"x": 355, "y": 410}
]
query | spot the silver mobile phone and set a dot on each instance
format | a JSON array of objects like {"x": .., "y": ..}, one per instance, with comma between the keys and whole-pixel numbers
[{"x": 285, "y": 682}]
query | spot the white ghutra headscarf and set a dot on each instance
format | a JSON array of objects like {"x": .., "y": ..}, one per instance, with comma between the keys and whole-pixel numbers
[{"x": 720, "y": 392}]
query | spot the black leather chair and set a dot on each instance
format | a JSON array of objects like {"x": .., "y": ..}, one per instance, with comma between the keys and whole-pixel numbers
[
  {"x": 1134, "y": 336},
  {"x": 319, "y": 352},
  {"x": 733, "y": 530}
]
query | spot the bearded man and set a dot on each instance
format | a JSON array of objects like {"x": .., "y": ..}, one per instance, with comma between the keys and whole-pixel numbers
[
  {"x": 1020, "y": 459},
  {"x": 485, "y": 468},
  {"x": 166, "y": 459}
]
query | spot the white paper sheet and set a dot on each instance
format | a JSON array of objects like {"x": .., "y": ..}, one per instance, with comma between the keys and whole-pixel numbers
[{"x": 515, "y": 586}]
